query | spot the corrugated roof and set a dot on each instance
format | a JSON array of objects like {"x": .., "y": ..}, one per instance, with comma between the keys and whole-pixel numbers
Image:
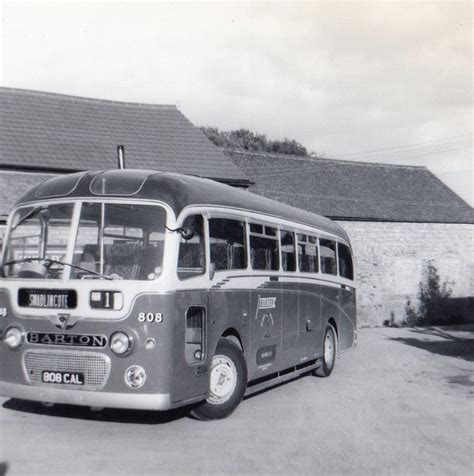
[
  {"x": 354, "y": 190},
  {"x": 67, "y": 133}
]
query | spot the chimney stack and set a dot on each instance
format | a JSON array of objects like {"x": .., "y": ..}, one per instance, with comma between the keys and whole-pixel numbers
[{"x": 121, "y": 156}]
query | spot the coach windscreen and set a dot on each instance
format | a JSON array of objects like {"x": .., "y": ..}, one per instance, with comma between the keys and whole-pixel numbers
[{"x": 85, "y": 240}]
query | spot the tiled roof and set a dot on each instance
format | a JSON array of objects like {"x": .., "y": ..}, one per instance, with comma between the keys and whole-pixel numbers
[
  {"x": 15, "y": 184},
  {"x": 354, "y": 190},
  {"x": 67, "y": 133}
]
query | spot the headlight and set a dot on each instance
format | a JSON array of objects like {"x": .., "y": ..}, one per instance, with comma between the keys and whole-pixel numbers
[
  {"x": 135, "y": 376},
  {"x": 13, "y": 337},
  {"x": 120, "y": 343}
]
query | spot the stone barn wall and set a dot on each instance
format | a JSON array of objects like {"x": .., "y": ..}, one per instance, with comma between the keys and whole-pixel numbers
[{"x": 390, "y": 259}]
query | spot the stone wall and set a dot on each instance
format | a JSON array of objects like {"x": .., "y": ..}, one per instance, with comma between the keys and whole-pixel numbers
[{"x": 390, "y": 259}]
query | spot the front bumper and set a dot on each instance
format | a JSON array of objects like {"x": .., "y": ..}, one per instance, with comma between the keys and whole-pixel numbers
[{"x": 159, "y": 401}]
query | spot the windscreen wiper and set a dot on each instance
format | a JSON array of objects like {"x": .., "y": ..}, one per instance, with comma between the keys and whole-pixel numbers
[{"x": 50, "y": 261}]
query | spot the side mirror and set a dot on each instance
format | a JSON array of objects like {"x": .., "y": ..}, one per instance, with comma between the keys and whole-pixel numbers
[{"x": 186, "y": 233}]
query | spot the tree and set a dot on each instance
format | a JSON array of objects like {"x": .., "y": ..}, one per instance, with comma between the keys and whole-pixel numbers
[{"x": 254, "y": 142}]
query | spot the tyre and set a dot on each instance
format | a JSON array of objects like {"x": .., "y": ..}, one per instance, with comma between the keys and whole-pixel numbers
[
  {"x": 329, "y": 353},
  {"x": 227, "y": 383}
]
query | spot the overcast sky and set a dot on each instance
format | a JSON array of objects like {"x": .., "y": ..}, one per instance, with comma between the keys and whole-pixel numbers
[{"x": 376, "y": 81}]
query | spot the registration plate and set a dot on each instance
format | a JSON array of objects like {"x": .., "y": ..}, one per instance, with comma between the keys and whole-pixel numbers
[{"x": 68, "y": 378}]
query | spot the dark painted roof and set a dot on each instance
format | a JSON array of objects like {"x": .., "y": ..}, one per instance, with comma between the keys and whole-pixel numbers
[
  {"x": 354, "y": 190},
  {"x": 59, "y": 133},
  {"x": 178, "y": 191}
]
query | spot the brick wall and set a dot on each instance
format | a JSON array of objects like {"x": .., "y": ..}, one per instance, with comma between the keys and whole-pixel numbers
[{"x": 390, "y": 258}]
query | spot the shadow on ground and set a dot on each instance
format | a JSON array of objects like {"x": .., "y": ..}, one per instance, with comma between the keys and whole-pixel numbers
[
  {"x": 105, "y": 415},
  {"x": 440, "y": 342}
]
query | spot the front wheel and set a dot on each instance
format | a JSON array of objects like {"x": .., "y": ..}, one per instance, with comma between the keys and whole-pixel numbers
[
  {"x": 329, "y": 353},
  {"x": 227, "y": 383}
]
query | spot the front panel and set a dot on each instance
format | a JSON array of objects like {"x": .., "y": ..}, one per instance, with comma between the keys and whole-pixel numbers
[{"x": 77, "y": 352}]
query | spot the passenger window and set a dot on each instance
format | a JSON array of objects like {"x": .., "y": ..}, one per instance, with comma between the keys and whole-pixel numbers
[
  {"x": 254, "y": 228},
  {"x": 308, "y": 253},
  {"x": 192, "y": 258},
  {"x": 264, "y": 248},
  {"x": 227, "y": 244},
  {"x": 328, "y": 256},
  {"x": 346, "y": 268},
  {"x": 288, "y": 252}
]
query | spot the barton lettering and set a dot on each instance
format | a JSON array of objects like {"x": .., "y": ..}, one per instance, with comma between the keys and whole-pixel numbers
[{"x": 79, "y": 340}]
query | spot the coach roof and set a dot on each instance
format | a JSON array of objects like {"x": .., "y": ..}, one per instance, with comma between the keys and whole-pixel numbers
[{"x": 178, "y": 191}]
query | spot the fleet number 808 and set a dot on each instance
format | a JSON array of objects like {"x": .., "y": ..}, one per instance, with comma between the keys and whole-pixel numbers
[{"x": 150, "y": 317}]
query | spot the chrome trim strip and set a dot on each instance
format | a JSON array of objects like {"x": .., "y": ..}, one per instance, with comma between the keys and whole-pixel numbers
[{"x": 158, "y": 401}]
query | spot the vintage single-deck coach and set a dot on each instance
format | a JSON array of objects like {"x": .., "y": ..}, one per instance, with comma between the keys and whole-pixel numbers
[{"x": 147, "y": 290}]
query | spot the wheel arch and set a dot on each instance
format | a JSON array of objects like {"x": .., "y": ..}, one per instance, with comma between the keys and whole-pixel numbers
[
  {"x": 233, "y": 335},
  {"x": 332, "y": 321}
]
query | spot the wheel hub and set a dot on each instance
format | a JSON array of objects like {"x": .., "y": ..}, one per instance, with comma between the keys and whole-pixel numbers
[
  {"x": 329, "y": 349},
  {"x": 223, "y": 379}
]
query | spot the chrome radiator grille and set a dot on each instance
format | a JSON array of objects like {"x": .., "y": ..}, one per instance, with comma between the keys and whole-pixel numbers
[{"x": 94, "y": 366}]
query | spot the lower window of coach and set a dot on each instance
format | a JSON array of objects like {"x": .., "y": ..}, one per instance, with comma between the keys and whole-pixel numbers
[
  {"x": 328, "y": 256},
  {"x": 123, "y": 241},
  {"x": 192, "y": 256},
  {"x": 346, "y": 268},
  {"x": 227, "y": 244},
  {"x": 264, "y": 247},
  {"x": 288, "y": 250},
  {"x": 38, "y": 234},
  {"x": 308, "y": 253}
]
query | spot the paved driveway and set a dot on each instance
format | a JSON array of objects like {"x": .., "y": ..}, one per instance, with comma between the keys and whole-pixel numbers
[{"x": 400, "y": 403}]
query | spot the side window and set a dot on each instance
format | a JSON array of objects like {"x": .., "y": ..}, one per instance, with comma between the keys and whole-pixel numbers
[
  {"x": 328, "y": 256},
  {"x": 346, "y": 268},
  {"x": 192, "y": 258},
  {"x": 264, "y": 247},
  {"x": 288, "y": 252},
  {"x": 227, "y": 244},
  {"x": 308, "y": 253}
]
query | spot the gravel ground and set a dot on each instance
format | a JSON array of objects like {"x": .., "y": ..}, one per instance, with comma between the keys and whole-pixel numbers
[{"x": 400, "y": 403}]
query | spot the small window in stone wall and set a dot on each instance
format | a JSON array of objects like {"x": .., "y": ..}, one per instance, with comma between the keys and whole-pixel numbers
[
  {"x": 328, "y": 256},
  {"x": 346, "y": 268}
]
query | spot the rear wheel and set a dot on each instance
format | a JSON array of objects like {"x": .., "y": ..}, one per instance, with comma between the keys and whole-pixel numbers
[
  {"x": 329, "y": 353},
  {"x": 227, "y": 383}
]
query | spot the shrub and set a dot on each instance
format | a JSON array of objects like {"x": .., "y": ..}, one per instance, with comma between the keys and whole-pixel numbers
[{"x": 430, "y": 293}]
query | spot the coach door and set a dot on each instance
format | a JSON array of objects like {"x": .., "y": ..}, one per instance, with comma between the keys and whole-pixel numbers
[
  {"x": 346, "y": 297},
  {"x": 190, "y": 354}
]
